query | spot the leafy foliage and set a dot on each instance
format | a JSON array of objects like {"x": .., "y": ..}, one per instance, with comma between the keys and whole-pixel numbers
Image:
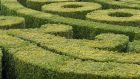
[{"x": 55, "y": 44}]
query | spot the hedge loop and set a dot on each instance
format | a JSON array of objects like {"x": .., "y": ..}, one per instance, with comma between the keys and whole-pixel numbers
[
  {"x": 11, "y": 22},
  {"x": 133, "y": 4},
  {"x": 36, "y": 4},
  {"x": 58, "y": 29},
  {"x": 71, "y": 9},
  {"x": 128, "y": 17},
  {"x": 37, "y": 55}
]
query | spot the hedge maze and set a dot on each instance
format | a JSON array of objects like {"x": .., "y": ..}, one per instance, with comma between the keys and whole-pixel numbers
[{"x": 69, "y": 39}]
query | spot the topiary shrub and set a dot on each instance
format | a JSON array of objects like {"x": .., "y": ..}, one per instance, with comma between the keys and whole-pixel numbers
[
  {"x": 68, "y": 58},
  {"x": 133, "y": 4},
  {"x": 1, "y": 63},
  {"x": 36, "y": 4},
  {"x": 11, "y": 22},
  {"x": 71, "y": 9},
  {"x": 67, "y": 48},
  {"x": 58, "y": 29},
  {"x": 125, "y": 17},
  {"x": 134, "y": 46},
  {"x": 82, "y": 28}
]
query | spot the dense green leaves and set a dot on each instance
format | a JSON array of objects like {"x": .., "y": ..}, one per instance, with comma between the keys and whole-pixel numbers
[
  {"x": 71, "y": 9},
  {"x": 59, "y": 47},
  {"x": 36, "y": 4},
  {"x": 10, "y": 22},
  {"x": 118, "y": 3},
  {"x": 130, "y": 17}
]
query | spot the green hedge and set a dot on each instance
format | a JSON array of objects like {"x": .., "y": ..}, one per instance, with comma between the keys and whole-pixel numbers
[
  {"x": 125, "y": 17},
  {"x": 57, "y": 29},
  {"x": 134, "y": 46},
  {"x": 77, "y": 48},
  {"x": 11, "y": 22},
  {"x": 71, "y": 9},
  {"x": 118, "y": 42},
  {"x": 83, "y": 28},
  {"x": 28, "y": 61},
  {"x": 1, "y": 60},
  {"x": 33, "y": 54},
  {"x": 14, "y": 44},
  {"x": 118, "y": 3},
  {"x": 36, "y": 4}
]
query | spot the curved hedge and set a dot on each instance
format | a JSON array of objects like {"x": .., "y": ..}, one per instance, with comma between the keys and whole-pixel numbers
[
  {"x": 11, "y": 22},
  {"x": 36, "y": 4},
  {"x": 71, "y": 9},
  {"x": 127, "y": 17},
  {"x": 58, "y": 29},
  {"x": 41, "y": 53},
  {"x": 118, "y": 3},
  {"x": 82, "y": 28},
  {"x": 134, "y": 46},
  {"x": 32, "y": 62},
  {"x": 37, "y": 62},
  {"x": 82, "y": 49},
  {"x": 1, "y": 60}
]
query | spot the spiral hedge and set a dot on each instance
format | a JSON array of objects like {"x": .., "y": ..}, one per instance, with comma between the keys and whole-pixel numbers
[
  {"x": 58, "y": 29},
  {"x": 133, "y": 4},
  {"x": 71, "y": 9},
  {"x": 124, "y": 17},
  {"x": 54, "y": 46},
  {"x": 36, "y": 4},
  {"x": 9, "y": 22}
]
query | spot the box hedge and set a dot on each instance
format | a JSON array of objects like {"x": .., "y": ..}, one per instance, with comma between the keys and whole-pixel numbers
[
  {"x": 1, "y": 63},
  {"x": 42, "y": 54},
  {"x": 11, "y": 22},
  {"x": 134, "y": 46},
  {"x": 57, "y": 29},
  {"x": 76, "y": 48},
  {"x": 71, "y": 9},
  {"x": 36, "y": 4},
  {"x": 28, "y": 61},
  {"x": 133, "y": 4},
  {"x": 124, "y": 17},
  {"x": 82, "y": 28}
]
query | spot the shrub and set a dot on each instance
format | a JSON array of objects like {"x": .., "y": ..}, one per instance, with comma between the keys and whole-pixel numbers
[
  {"x": 11, "y": 22},
  {"x": 36, "y": 4},
  {"x": 33, "y": 62},
  {"x": 82, "y": 49},
  {"x": 1, "y": 60},
  {"x": 71, "y": 9},
  {"x": 134, "y": 46},
  {"x": 118, "y": 3},
  {"x": 129, "y": 17},
  {"x": 58, "y": 29},
  {"x": 44, "y": 52},
  {"x": 82, "y": 28}
]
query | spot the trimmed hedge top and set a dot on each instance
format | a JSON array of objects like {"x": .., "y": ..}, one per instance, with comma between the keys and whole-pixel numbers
[
  {"x": 130, "y": 17},
  {"x": 119, "y": 3},
  {"x": 10, "y": 22},
  {"x": 61, "y": 62},
  {"x": 59, "y": 66},
  {"x": 36, "y": 4},
  {"x": 71, "y": 9},
  {"x": 59, "y": 47},
  {"x": 57, "y": 29}
]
